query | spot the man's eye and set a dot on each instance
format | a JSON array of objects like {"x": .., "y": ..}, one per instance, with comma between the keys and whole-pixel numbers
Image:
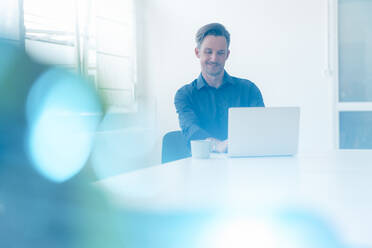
[
  {"x": 208, "y": 52},
  {"x": 221, "y": 52}
]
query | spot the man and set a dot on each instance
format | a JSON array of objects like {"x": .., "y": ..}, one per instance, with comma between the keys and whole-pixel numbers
[{"x": 202, "y": 105}]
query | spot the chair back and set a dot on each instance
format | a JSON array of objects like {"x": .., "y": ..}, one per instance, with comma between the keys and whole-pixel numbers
[{"x": 174, "y": 147}]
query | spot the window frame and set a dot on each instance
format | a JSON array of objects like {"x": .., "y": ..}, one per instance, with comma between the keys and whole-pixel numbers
[
  {"x": 83, "y": 48},
  {"x": 333, "y": 56}
]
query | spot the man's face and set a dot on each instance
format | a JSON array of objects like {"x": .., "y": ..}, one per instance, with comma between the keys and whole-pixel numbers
[{"x": 213, "y": 54}]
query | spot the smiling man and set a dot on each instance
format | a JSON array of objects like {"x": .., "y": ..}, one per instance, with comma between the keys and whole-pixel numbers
[{"x": 202, "y": 105}]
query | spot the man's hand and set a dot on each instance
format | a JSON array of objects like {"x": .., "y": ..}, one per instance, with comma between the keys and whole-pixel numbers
[{"x": 218, "y": 145}]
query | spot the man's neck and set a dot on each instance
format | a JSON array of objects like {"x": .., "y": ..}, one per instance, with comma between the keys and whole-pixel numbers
[{"x": 213, "y": 81}]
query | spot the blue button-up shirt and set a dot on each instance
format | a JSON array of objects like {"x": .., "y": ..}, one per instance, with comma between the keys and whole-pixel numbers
[{"x": 202, "y": 109}]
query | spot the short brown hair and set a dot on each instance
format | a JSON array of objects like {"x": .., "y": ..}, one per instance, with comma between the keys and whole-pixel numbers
[{"x": 215, "y": 29}]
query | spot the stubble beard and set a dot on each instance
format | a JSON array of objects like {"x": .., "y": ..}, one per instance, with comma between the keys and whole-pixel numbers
[{"x": 214, "y": 72}]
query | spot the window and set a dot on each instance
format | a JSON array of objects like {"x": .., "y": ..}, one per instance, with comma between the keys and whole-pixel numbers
[
  {"x": 9, "y": 21},
  {"x": 50, "y": 32},
  {"x": 93, "y": 37},
  {"x": 354, "y": 87}
]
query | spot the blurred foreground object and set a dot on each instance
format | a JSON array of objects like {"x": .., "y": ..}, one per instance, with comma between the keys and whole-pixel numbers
[{"x": 48, "y": 118}]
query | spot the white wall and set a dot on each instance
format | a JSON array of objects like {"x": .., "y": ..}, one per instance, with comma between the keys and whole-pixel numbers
[{"x": 278, "y": 44}]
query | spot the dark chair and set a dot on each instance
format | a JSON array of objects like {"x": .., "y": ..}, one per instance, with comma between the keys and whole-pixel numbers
[{"x": 174, "y": 147}]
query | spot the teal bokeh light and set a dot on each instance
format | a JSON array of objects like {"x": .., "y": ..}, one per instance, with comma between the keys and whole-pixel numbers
[
  {"x": 288, "y": 227},
  {"x": 301, "y": 228},
  {"x": 63, "y": 111}
]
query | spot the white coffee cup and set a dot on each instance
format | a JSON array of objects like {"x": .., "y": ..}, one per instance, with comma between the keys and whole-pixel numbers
[{"x": 200, "y": 148}]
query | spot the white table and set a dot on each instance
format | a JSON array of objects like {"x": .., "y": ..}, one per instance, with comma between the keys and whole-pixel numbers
[{"x": 337, "y": 185}]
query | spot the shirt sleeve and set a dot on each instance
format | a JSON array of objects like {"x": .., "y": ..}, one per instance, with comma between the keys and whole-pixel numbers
[
  {"x": 256, "y": 97},
  {"x": 189, "y": 121}
]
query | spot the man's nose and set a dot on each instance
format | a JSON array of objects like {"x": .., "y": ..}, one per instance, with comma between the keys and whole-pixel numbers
[{"x": 213, "y": 57}]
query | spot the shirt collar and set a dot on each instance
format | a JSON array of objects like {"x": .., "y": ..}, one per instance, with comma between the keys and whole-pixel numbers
[{"x": 200, "y": 83}]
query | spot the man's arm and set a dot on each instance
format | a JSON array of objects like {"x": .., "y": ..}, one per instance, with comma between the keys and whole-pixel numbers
[
  {"x": 256, "y": 97},
  {"x": 189, "y": 121}
]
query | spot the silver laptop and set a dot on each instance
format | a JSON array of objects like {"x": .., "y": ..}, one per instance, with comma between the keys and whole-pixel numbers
[{"x": 270, "y": 131}]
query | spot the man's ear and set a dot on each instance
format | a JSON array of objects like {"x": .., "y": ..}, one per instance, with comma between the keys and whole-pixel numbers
[
  {"x": 228, "y": 53},
  {"x": 197, "y": 52}
]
